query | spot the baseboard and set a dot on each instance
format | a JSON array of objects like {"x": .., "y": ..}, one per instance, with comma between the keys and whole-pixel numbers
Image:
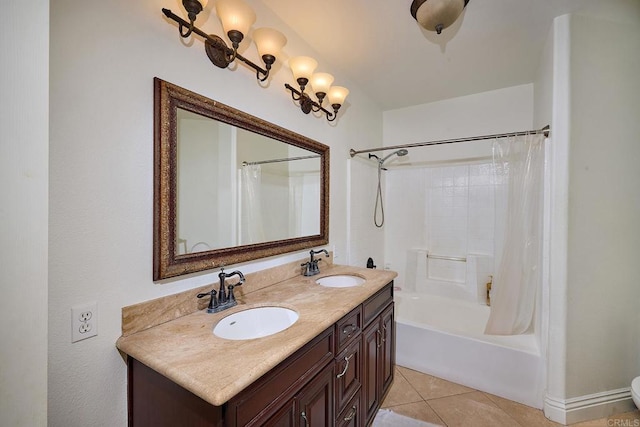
[{"x": 588, "y": 407}]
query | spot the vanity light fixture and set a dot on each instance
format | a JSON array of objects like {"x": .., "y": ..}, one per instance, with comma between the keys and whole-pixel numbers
[
  {"x": 436, "y": 15},
  {"x": 303, "y": 68},
  {"x": 237, "y": 17}
]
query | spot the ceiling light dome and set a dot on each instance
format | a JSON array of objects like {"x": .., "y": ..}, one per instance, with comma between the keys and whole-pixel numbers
[{"x": 436, "y": 15}]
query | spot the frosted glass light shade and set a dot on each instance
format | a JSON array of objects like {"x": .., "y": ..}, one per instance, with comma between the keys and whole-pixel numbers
[
  {"x": 436, "y": 15},
  {"x": 337, "y": 95},
  {"x": 302, "y": 67},
  {"x": 321, "y": 82},
  {"x": 235, "y": 15},
  {"x": 269, "y": 41}
]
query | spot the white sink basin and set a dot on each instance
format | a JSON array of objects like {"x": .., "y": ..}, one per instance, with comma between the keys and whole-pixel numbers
[
  {"x": 255, "y": 323},
  {"x": 340, "y": 281}
]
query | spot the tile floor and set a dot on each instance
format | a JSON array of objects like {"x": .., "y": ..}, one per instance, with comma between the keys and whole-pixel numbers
[{"x": 424, "y": 397}]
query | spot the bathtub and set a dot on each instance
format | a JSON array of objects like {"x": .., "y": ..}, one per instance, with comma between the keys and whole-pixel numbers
[{"x": 444, "y": 337}]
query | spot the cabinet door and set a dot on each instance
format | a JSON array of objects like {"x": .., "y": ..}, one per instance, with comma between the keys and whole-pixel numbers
[
  {"x": 387, "y": 350},
  {"x": 371, "y": 354},
  {"x": 285, "y": 417},
  {"x": 315, "y": 401}
]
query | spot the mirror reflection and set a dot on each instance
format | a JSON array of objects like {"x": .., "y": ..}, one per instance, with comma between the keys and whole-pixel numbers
[
  {"x": 230, "y": 187},
  {"x": 237, "y": 187}
]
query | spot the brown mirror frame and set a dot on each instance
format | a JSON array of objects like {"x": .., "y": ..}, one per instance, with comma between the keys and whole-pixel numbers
[{"x": 167, "y": 99}]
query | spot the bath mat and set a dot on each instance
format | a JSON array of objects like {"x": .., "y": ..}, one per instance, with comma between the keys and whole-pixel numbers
[{"x": 387, "y": 418}]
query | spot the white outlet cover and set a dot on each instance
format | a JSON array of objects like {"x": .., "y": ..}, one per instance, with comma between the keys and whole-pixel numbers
[{"x": 84, "y": 321}]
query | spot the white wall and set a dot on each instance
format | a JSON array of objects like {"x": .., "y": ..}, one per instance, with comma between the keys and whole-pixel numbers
[
  {"x": 503, "y": 110},
  {"x": 103, "y": 60},
  {"x": 595, "y": 237},
  {"x": 24, "y": 109},
  {"x": 548, "y": 87},
  {"x": 604, "y": 206}
]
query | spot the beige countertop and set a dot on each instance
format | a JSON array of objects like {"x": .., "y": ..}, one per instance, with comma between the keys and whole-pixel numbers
[{"x": 186, "y": 351}]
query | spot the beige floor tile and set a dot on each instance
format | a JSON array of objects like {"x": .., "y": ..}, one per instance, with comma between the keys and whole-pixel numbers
[
  {"x": 593, "y": 423},
  {"x": 401, "y": 392},
  {"x": 418, "y": 411},
  {"x": 628, "y": 419},
  {"x": 471, "y": 409},
  {"x": 431, "y": 387},
  {"x": 526, "y": 416}
]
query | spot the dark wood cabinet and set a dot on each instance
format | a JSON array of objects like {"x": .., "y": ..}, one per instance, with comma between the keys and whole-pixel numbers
[
  {"x": 348, "y": 374},
  {"x": 352, "y": 415},
  {"x": 388, "y": 350},
  {"x": 279, "y": 387},
  {"x": 284, "y": 417},
  {"x": 157, "y": 401},
  {"x": 314, "y": 404},
  {"x": 378, "y": 353},
  {"x": 339, "y": 378}
]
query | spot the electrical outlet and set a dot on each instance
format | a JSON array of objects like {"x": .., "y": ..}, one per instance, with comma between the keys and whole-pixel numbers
[{"x": 84, "y": 321}]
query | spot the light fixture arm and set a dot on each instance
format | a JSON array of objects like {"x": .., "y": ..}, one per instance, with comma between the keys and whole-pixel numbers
[
  {"x": 307, "y": 104},
  {"x": 189, "y": 30},
  {"x": 193, "y": 7},
  {"x": 217, "y": 50}
]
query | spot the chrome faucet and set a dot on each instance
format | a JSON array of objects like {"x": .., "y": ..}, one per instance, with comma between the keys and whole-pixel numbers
[
  {"x": 311, "y": 267},
  {"x": 223, "y": 298}
]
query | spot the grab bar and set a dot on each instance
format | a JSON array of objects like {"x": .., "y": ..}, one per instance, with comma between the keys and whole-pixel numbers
[{"x": 447, "y": 258}]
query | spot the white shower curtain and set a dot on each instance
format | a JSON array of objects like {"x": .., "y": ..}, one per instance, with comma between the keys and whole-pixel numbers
[
  {"x": 296, "y": 186},
  {"x": 252, "y": 230},
  {"x": 515, "y": 285}
]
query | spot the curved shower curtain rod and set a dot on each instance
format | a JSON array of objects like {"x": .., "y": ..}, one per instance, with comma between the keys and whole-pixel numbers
[{"x": 545, "y": 130}]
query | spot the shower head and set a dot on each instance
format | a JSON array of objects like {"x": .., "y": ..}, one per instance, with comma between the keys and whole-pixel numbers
[{"x": 400, "y": 153}]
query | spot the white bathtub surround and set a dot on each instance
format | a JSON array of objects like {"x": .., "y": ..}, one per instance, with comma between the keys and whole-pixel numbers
[
  {"x": 444, "y": 337},
  {"x": 447, "y": 212},
  {"x": 416, "y": 269},
  {"x": 479, "y": 273},
  {"x": 424, "y": 273}
]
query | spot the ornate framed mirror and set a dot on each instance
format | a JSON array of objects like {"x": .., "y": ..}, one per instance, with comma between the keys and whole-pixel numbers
[{"x": 230, "y": 187}]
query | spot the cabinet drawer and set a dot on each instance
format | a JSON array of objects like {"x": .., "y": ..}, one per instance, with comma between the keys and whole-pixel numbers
[
  {"x": 348, "y": 328},
  {"x": 351, "y": 416},
  {"x": 348, "y": 374},
  {"x": 267, "y": 395},
  {"x": 374, "y": 305}
]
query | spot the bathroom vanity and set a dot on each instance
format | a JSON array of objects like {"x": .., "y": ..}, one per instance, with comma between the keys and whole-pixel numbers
[{"x": 333, "y": 366}]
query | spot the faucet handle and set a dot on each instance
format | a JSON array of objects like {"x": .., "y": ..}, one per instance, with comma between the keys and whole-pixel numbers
[
  {"x": 213, "y": 302},
  {"x": 307, "y": 269}
]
